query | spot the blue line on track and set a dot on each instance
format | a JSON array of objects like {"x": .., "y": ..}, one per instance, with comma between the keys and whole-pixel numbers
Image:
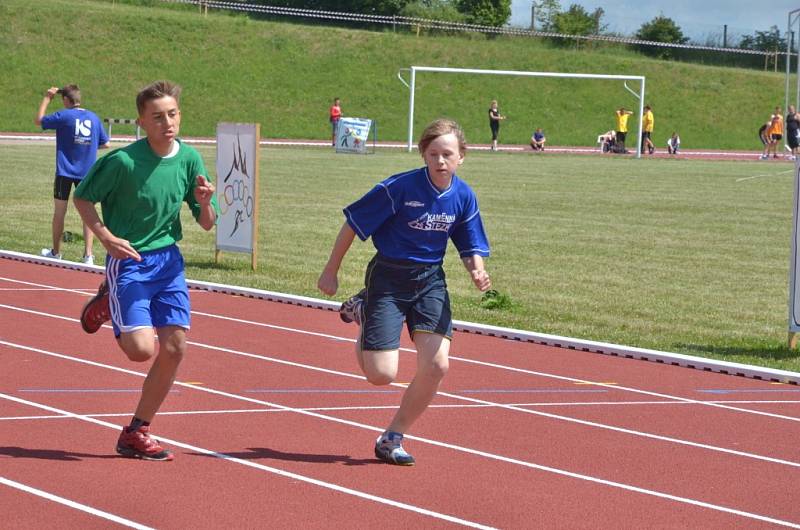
[
  {"x": 86, "y": 390},
  {"x": 531, "y": 391},
  {"x": 746, "y": 391},
  {"x": 316, "y": 391}
]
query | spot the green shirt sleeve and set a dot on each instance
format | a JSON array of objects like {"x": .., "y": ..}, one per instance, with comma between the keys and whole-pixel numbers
[{"x": 101, "y": 179}]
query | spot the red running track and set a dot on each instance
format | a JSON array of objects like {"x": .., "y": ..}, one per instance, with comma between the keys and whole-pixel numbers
[{"x": 273, "y": 426}]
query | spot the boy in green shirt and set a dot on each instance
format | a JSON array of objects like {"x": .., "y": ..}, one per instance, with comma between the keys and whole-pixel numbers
[{"x": 141, "y": 189}]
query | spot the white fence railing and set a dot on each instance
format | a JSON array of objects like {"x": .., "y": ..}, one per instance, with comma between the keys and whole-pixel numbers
[{"x": 397, "y": 20}]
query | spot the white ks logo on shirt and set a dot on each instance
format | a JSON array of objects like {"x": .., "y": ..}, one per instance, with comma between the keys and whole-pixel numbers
[{"x": 83, "y": 131}]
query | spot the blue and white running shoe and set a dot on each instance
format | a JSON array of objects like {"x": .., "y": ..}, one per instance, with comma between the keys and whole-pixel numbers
[{"x": 389, "y": 448}]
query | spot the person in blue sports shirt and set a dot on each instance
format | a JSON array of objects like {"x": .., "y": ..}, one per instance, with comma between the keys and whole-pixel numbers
[
  {"x": 79, "y": 133},
  {"x": 410, "y": 218},
  {"x": 141, "y": 189}
]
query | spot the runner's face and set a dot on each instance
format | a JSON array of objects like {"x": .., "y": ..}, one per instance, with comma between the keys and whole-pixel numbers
[
  {"x": 443, "y": 156},
  {"x": 161, "y": 120}
]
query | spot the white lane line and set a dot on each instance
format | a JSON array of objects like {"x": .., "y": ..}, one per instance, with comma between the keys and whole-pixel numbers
[
  {"x": 587, "y": 423},
  {"x": 561, "y": 472},
  {"x": 451, "y": 357},
  {"x": 269, "y": 469},
  {"x": 362, "y": 408},
  {"x": 514, "y": 369},
  {"x": 47, "y": 287},
  {"x": 72, "y": 504}
]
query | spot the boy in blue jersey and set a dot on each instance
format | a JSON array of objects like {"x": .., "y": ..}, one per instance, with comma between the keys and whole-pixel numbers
[
  {"x": 79, "y": 133},
  {"x": 410, "y": 217},
  {"x": 141, "y": 189}
]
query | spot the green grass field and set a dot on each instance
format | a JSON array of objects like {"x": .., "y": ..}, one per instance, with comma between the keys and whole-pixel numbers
[
  {"x": 285, "y": 74},
  {"x": 675, "y": 255}
]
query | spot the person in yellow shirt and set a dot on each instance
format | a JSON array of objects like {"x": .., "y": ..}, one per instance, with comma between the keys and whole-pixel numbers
[
  {"x": 622, "y": 129},
  {"x": 647, "y": 129},
  {"x": 774, "y": 136}
]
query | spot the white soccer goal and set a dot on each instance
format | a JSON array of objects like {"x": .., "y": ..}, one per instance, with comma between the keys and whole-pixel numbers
[{"x": 411, "y": 84}]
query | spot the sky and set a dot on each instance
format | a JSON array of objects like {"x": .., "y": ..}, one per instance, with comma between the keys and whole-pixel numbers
[{"x": 696, "y": 18}]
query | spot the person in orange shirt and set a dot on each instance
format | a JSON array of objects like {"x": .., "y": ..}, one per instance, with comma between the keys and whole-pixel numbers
[
  {"x": 774, "y": 135},
  {"x": 335, "y": 114}
]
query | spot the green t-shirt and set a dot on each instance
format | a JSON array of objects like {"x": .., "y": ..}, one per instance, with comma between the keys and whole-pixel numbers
[{"x": 141, "y": 193}]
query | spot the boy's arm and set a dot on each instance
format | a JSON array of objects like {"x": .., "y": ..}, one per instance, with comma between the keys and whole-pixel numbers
[
  {"x": 118, "y": 248},
  {"x": 328, "y": 281},
  {"x": 48, "y": 97},
  {"x": 203, "y": 192},
  {"x": 475, "y": 267}
]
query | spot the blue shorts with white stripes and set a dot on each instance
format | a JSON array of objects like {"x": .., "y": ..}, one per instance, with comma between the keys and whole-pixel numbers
[{"x": 151, "y": 293}]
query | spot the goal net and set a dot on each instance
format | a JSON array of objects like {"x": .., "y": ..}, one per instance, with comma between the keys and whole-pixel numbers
[{"x": 411, "y": 84}]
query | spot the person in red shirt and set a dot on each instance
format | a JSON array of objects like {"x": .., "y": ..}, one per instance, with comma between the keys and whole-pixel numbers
[{"x": 335, "y": 116}]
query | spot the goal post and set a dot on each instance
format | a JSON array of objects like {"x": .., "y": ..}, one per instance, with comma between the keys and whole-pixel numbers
[
  {"x": 793, "y": 20},
  {"x": 411, "y": 84}
]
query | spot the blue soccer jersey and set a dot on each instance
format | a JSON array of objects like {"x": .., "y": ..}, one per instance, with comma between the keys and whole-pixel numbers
[
  {"x": 78, "y": 134},
  {"x": 409, "y": 218}
]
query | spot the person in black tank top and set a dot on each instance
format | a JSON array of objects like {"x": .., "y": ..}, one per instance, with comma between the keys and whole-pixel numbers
[{"x": 494, "y": 122}]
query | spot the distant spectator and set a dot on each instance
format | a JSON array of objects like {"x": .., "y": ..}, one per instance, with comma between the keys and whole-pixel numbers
[
  {"x": 774, "y": 134},
  {"x": 792, "y": 131},
  {"x": 647, "y": 129},
  {"x": 764, "y": 137},
  {"x": 79, "y": 133},
  {"x": 622, "y": 116},
  {"x": 538, "y": 140},
  {"x": 673, "y": 144},
  {"x": 335, "y": 115},
  {"x": 494, "y": 122},
  {"x": 606, "y": 141}
]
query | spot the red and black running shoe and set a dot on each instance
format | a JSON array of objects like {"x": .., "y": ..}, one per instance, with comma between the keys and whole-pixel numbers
[
  {"x": 96, "y": 311},
  {"x": 139, "y": 444}
]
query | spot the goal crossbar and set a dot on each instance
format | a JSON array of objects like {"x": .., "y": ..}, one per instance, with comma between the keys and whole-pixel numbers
[{"x": 413, "y": 77}]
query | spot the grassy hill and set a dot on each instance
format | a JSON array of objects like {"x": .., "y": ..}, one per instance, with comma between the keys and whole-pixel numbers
[{"x": 284, "y": 75}]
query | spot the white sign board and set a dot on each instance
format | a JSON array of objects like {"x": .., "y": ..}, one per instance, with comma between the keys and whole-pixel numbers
[
  {"x": 237, "y": 187},
  {"x": 352, "y": 135}
]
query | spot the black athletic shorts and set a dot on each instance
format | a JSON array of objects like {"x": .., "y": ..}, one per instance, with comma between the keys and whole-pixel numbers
[
  {"x": 791, "y": 138},
  {"x": 400, "y": 290},
  {"x": 62, "y": 186}
]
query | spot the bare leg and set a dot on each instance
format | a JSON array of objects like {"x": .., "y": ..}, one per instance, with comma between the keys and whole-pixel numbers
[
  {"x": 59, "y": 213},
  {"x": 380, "y": 367},
  {"x": 88, "y": 240},
  {"x": 432, "y": 364},
  {"x": 139, "y": 346}
]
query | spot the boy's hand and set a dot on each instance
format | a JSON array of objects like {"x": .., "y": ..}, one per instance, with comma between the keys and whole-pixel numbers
[
  {"x": 51, "y": 92},
  {"x": 203, "y": 191},
  {"x": 481, "y": 279},
  {"x": 120, "y": 248},
  {"x": 328, "y": 283}
]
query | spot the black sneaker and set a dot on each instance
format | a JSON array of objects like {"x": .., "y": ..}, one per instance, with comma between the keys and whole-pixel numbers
[{"x": 353, "y": 308}]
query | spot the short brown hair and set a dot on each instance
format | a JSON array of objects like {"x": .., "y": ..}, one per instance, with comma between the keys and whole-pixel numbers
[
  {"x": 157, "y": 90},
  {"x": 439, "y": 128},
  {"x": 72, "y": 93}
]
